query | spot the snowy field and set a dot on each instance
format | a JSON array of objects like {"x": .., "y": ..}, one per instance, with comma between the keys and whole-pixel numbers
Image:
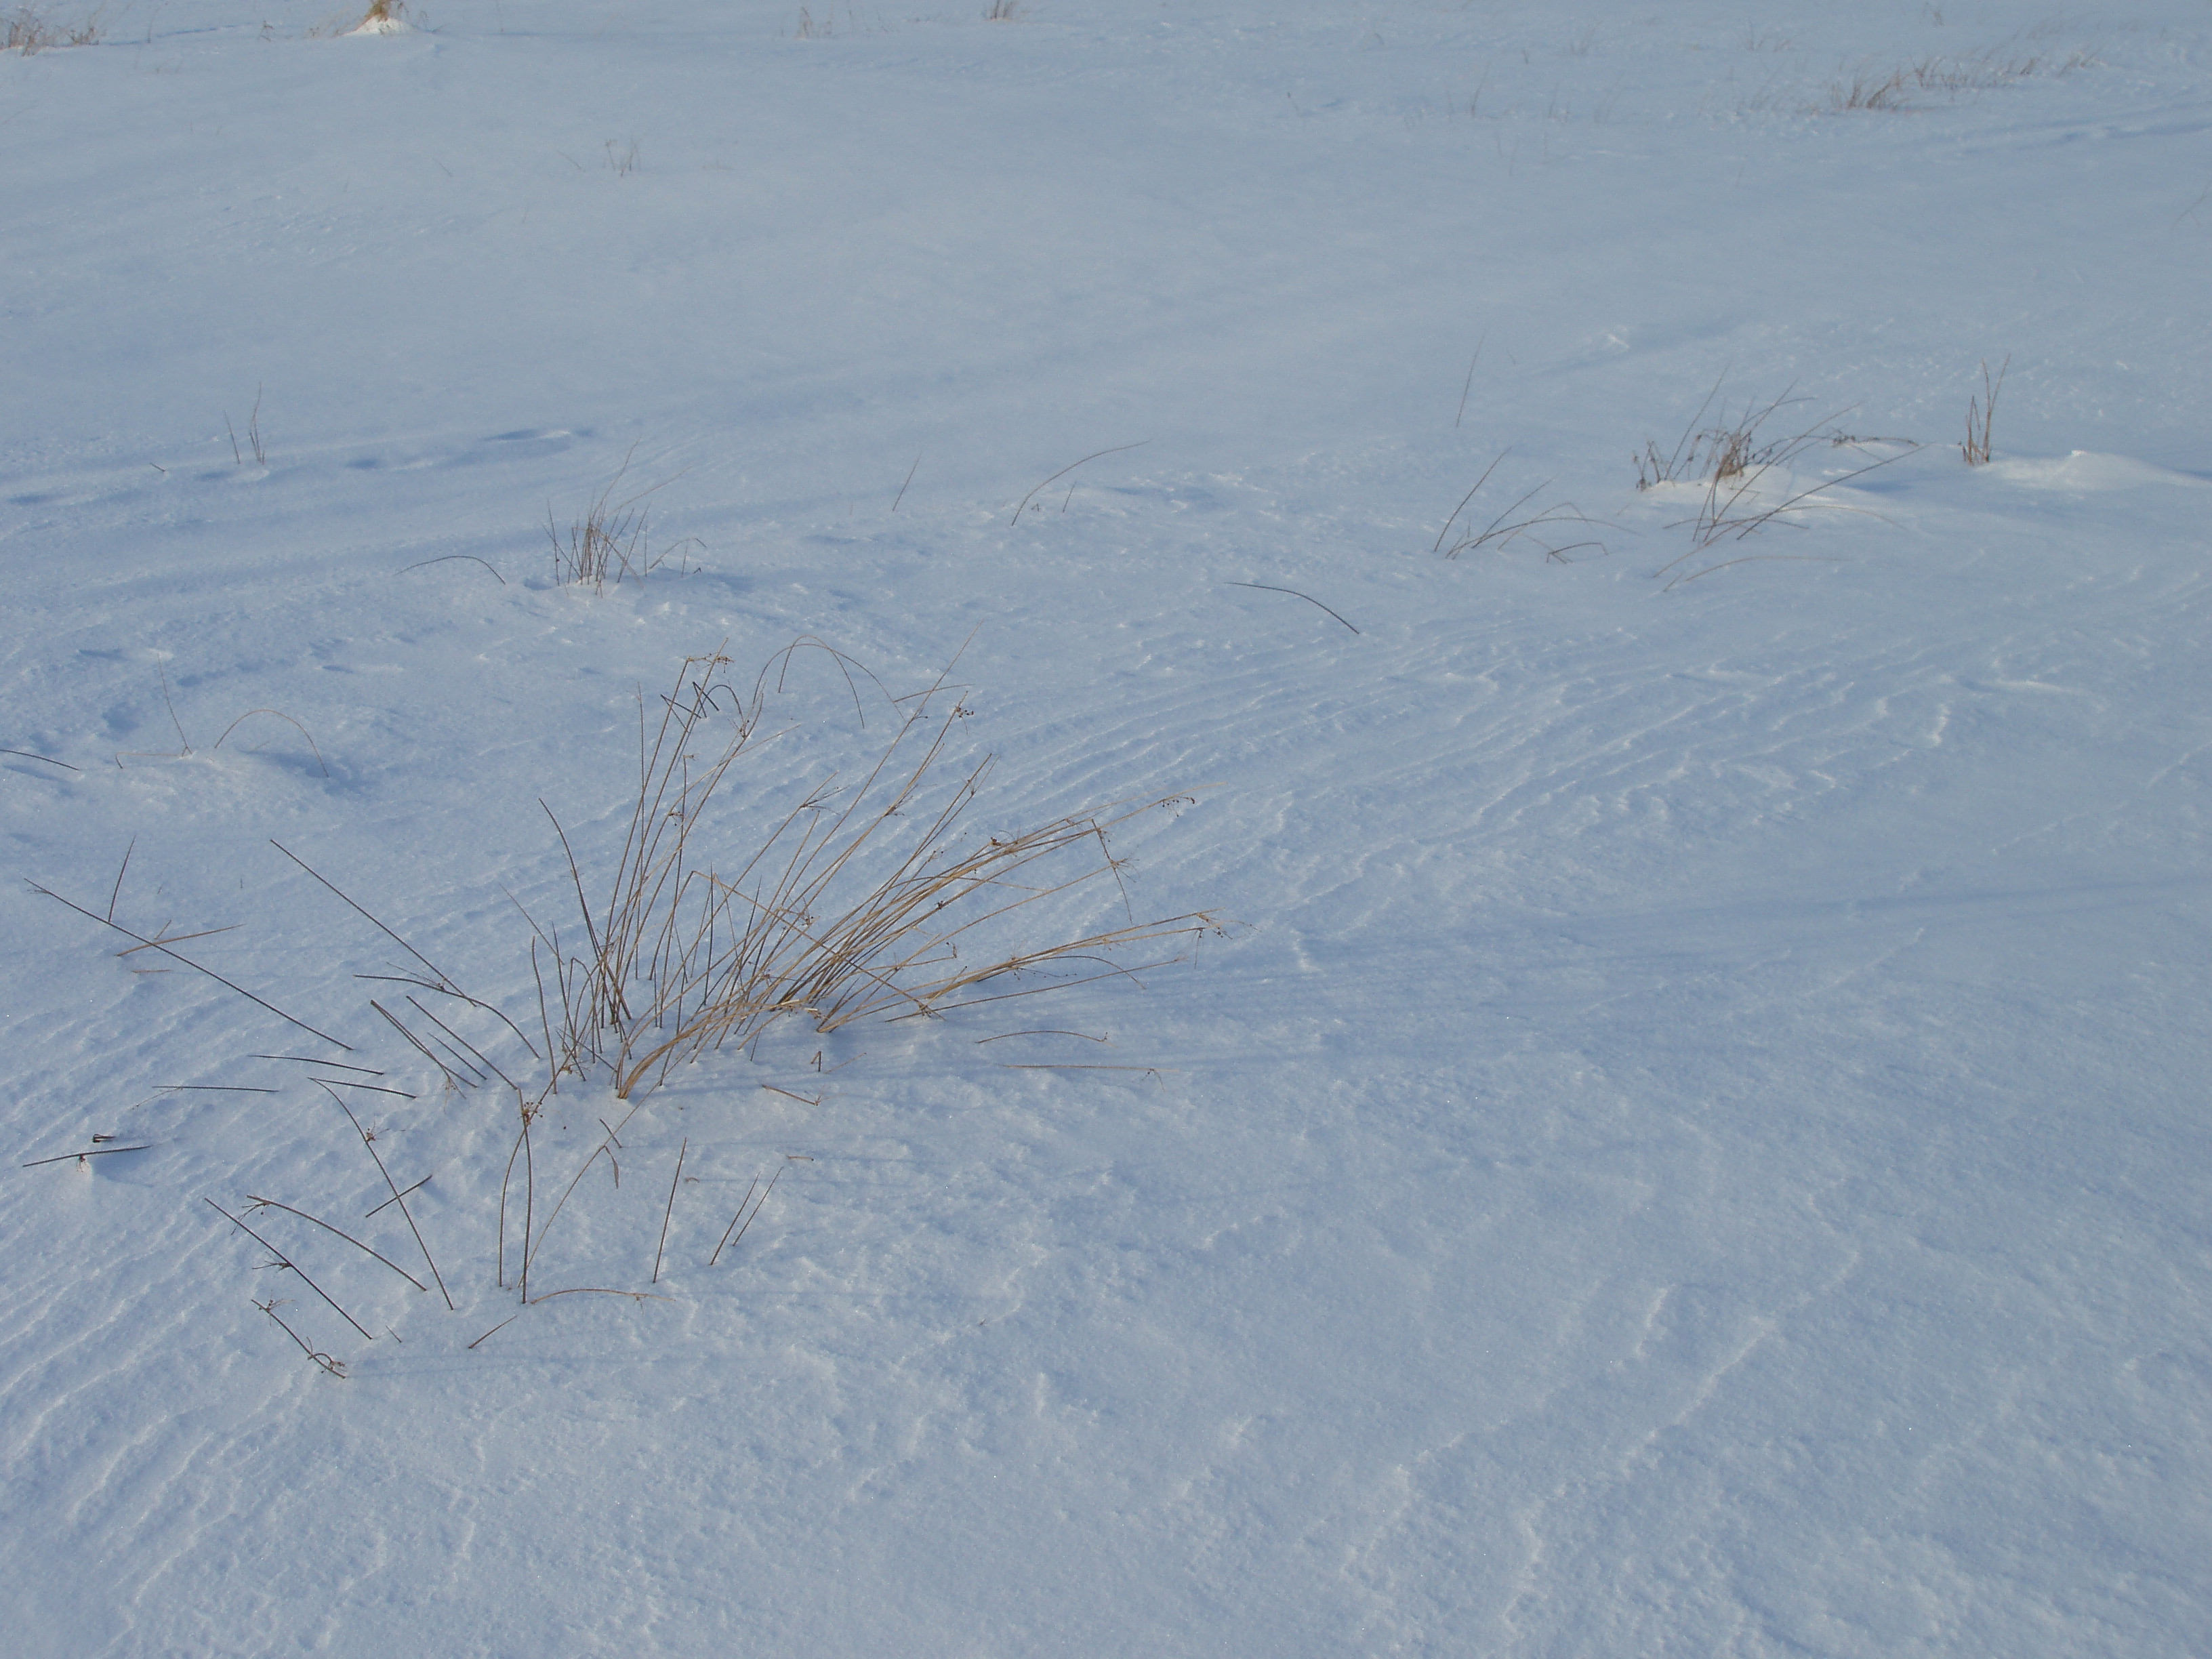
[{"x": 1682, "y": 1126}]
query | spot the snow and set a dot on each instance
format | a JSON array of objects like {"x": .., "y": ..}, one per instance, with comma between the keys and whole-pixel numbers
[
  {"x": 1692, "y": 1137},
  {"x": 2082, "y": 471}
]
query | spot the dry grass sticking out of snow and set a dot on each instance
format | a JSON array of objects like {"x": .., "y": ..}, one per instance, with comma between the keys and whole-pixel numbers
[
  {"x": 1981, "y": 411},
  {"x": 30, "y": 32},
  {"x": 610, "y": 542},
  {"x": 1943, "y": 77},
  {"x": 384, "y": 17},
  {"x": 1745, "y": 479},
  {"x": 863, "y": 898}
]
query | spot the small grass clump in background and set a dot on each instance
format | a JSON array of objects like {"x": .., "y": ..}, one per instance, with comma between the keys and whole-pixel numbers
[
  {"x": 1732, "y": 458},
  {"x": 382, "y": 17},
  {"x": 1946, "y": 77},
  {"x": 608, "y": 543},
  {"x": 1980, "y": 412},
  {"x": 30, "y": 32}
]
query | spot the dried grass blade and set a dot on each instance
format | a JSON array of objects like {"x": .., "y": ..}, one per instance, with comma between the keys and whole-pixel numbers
[
  {"x": 273, "y": 1204},
  {"x": 155, "y": 945},
  {"x": 437, "y": 972},
  {"x": 285, "y": 1261},
  {"x": 396, "y": 1195}
]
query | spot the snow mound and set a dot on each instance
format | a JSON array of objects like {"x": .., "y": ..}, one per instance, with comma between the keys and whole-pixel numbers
[
  {"x": 1761, "y": 490},
  {"x": 2086, "y": 470}
]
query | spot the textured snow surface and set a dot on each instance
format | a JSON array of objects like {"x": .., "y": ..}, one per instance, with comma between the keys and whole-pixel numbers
[{"x": 1695, "y": 1140}]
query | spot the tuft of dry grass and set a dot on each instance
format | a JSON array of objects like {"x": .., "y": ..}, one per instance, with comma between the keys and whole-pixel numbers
[
  {"x": 1732, "y": 458},
  {"x": 252, "y": 432},
  {"x": 1866, "y": 91},
  {"x": 382, "y": 17},
  {"x": 1947, "y": 77},
  {"x": 865, "y": 899},
  {"x": 1980, "y": 412},
  {"x": 30, "y": 32},
  {"x": 1727, "y": 450},
  {"x": 1540, "y": 526},
  {"x": 609, "y": 542}
]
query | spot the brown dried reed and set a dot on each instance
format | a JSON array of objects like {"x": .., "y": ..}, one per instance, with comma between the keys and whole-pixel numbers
[
  {"x": 856, "y": 903},
  {"x": 1980, "y": 413},
  {"x": 1733, "y": 459},
  {"x": 608, "y": 543}
]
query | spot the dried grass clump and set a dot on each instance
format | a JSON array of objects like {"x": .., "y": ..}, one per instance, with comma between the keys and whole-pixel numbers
[
  {"x": 1980, "y": 412},
  {"x": 1732, "y": 458},
  {"x": 609, "y": 542},
  {"x": 1949, "y": 77},
  {"x": 1727, "y": 450},
  {"x": 864, "y": 899},
  {"x": 30, "y": 32},
  {"x": 382, "y": 17},
  {"x": 859, "y": 899},
  {"x": 1866, "y": 91},
  {"x": 1541, "y": 526}
]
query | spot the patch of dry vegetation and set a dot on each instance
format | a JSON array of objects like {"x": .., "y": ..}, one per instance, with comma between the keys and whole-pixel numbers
[
  {"x": 718, "y": 918},
  {"x": 1900, "y": 88},
  {"x": 865, "y": 898},
  {"x": 30, "y": 32}
]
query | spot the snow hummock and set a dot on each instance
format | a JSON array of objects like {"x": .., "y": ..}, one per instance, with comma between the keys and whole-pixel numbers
[
  {"x": 390, "y": 21},
  {"x": 2083, "y": 470}
]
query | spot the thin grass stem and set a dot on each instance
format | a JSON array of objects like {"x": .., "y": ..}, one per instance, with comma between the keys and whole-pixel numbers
[
  {"x": 285, "y": 1261},
  {"x": 396, "y": 1197},
  {"x": 671, "y": 1209},
  {"x": 272, "y": 1204}
]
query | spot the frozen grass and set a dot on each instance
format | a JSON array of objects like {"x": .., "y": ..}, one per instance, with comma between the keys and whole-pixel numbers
[
  {"x": 1727, "y": 450},
  {"x": 864, "y": 900},
  {"x": 1980, "y": 412},
  {"x": 609, "y": 542},
  {"x": 1946, "y": 77},
  {"x": 1737, "y": 463},
  {"x": 1540, "y": 526},
  {"x": 30, "y": 31},
  {"x": 827, "y": 26},
  {"x": 858, "y": 903},
  {"x": 253, "y": 440},
  {"x": 382, "y": 17}
]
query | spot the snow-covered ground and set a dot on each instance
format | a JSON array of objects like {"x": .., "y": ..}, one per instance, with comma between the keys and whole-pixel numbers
[{"x": 1692, "y": 1137}]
